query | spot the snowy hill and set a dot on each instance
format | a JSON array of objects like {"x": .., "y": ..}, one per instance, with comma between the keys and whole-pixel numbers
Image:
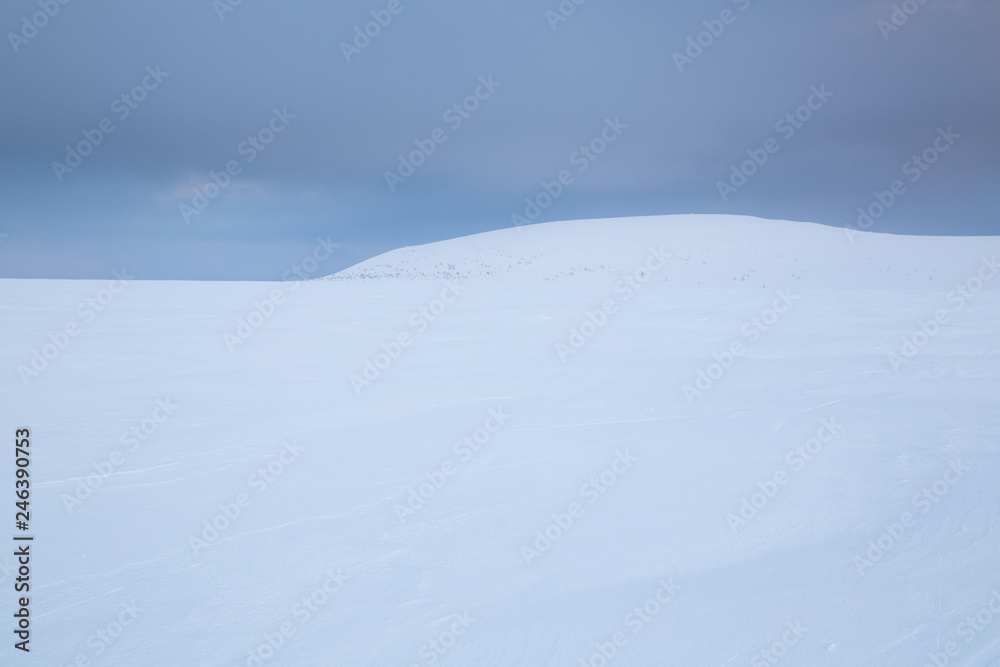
[
  {"x": 558, "y": 447},
  {"x": 705, "y": 250}
]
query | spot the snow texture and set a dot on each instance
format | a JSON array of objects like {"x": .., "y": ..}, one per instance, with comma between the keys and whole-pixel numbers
[{"x": 441, "y": 462}]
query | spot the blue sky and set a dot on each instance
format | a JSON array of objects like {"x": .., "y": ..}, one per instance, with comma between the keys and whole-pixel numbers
[{"x": 309, "y": 115}]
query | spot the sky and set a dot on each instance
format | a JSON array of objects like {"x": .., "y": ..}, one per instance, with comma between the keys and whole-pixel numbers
[{"x": 231, "y": 139}]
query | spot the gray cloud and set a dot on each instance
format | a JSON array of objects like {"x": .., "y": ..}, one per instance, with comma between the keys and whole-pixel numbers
[{"x": 324, "y": 174}]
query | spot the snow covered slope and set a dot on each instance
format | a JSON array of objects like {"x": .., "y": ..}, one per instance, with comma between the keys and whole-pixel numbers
[
  {"x": 706, "y": 250},
  {"x": 537, "y": 465}
]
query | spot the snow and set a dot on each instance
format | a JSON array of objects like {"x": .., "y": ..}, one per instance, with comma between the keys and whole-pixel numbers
[
  {"x": 647, "y": 480},
  {"x": 708, "y": 251}
]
